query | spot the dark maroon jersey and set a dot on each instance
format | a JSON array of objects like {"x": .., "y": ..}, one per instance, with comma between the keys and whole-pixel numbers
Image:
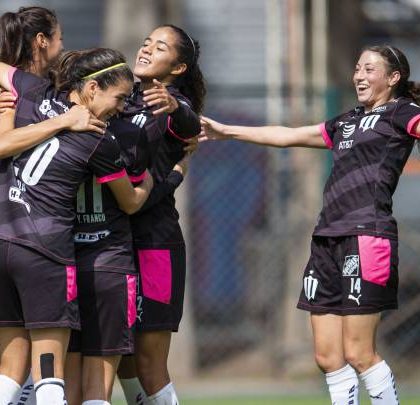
[
  {"x": 40, "y": 185},
  {"x": 102, "y": 230},
  {"x": 369, "y": 153},
  {"x": 157, "y": 222}
]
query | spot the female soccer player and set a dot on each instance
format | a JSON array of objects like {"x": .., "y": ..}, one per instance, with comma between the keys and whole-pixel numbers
[
  {"x": 31, "y": 40},
  {"x": 170, "y": 82},
  {"x": 352, "y": 276},
  {"x": 37, "y": 216}
]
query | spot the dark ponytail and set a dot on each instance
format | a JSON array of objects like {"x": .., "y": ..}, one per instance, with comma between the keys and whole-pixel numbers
[
  {"x": 191, "y": 83},
  {"x": 18, "y": 30},
  {"x": 397, "y": 61},
  {"x": 73, "y": 67}
]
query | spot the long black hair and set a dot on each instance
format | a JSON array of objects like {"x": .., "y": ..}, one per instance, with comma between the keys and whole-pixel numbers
[
  {"x": 397, "y": 62},
  {"x": 191, "y": 83},
  {"x": 73, "y": 67},
  {"x": 18, "y": 30}
]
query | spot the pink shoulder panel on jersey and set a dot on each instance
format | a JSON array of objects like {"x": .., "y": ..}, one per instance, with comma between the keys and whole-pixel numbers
[
  {"x": 325, "y": 136},
  {"x": 172, "y": 132},
  {"x": 411, "y": 126},
  {"x": 111, "y": 177},
  {"x": 10, "y": 75}
]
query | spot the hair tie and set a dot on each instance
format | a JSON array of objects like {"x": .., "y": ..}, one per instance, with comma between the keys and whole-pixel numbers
[
  {"x": 104, "y": 70},
  {"x": 395, "y": 55},
  {"x": 193, "y": 45}
]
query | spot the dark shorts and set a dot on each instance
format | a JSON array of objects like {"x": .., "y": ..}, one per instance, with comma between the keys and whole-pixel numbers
[
  {"x": 161, "y": 288},
  {"x": 35, "y": 291},
  {"x": 350, "y": 275},
  {"x": 107, "y": 303}
]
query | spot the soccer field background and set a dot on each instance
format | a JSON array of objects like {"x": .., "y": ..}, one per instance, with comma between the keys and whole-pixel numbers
[{"x": 315, "y": 400}]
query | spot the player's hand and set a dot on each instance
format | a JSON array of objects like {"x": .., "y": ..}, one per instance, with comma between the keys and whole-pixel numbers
[
  {"x": 159, "y": 96},
  {"x": 80, "y": 119},
  {"x": 211, "y": 130},
  {"x": 7, "y": 101},
  {"x": 182, "y": 165},
  {"x": 192, "y": 145}
]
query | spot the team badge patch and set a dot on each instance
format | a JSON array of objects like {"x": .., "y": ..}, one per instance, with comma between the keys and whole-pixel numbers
[
  {"x": 351, "y": 266},
  {"x": 310, "y": 285}
]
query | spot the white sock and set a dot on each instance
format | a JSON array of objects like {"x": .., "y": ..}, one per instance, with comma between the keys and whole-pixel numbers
[
  {"x": 26, "y": 395},
  {"x": 133, "y": 391},
  {"x": 95, "y": 402},
  {"x": 343, "y": 385},
  {"x": 50, "y": 391},
  {"x": 380, "y": 384},
  {"x": 166, "y": 396},
  {"x": 9, "y": 388}
]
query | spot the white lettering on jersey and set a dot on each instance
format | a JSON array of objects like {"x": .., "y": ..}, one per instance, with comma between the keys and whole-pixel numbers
[
  {"x": 310, "y": 285},
  {"x": 90, "y": 237},
  {"x": 415, "y": 105},
  {"x": 139, "y": 120},
  {"x": 15, "y": 195},
  {"x": 369, "y": 122},
  {"x": 45, "y": 109},
  {"x": 345, "y": 144}
]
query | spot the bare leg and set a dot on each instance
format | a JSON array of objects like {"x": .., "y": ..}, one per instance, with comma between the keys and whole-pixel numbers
[
  {"x": 98, "y": 377},
  {"x": 73, "y": 378},
  {"x": 152, "y": 350}
]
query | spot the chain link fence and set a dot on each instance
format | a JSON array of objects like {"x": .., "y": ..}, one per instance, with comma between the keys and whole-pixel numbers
[{"x": 251, "y": 213}]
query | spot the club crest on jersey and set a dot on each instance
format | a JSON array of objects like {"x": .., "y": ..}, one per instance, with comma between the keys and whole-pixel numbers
[
  {"x": 310, "y": 285},
  {"x": 369, "y": 122},
  {"x": 351, "y": 266}
]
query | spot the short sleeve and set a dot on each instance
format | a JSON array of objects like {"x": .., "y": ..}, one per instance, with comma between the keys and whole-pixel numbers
[
  {"x": 325, "y": 135},
  {"x": 105, "y": 161},
  {"x": 406, "y": 117},
  {"x": 21, "y": 82}
]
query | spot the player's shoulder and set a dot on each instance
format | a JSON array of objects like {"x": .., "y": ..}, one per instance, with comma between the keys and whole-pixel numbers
[{"x": 175, "y": 92}]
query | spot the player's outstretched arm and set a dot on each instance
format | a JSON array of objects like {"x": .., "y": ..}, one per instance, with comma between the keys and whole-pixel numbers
[
  {"x": 17, "y": 140},
  {"x": 130, "y": 199},
  {"x": 282, "y": 137}
]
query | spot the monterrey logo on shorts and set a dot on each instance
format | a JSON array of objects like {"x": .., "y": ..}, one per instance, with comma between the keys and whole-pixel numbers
[
  {"x": 351, "y": 266},
  {"x": 310, "y": 284}
]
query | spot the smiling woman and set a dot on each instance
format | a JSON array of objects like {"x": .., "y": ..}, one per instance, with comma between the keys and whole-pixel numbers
[
  {"x": 166, "y": 103},
  {"x": 36, "y": 221},
  {"x": 352, "y": 273}
]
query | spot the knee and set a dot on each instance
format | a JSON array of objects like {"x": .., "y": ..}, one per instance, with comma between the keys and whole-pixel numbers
[
  {"x": 328, "y": 362},
  {"x": 360, "y": 360}
]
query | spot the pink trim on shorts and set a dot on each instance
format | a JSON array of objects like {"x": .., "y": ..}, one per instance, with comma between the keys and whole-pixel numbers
[
  {"x": 375, "y": 259},
  {"x": 71, "y": 283},
  {"x": 411, "y": 124},
  {"x": 138, "y": 179},
  {"x": 156, "y": 274},
  {"x": 111, "y": 177},
  {"x": 325, "y": 136},
  {"x": 131, "y": 299},
  {"x": 10, "y": 75},
  {"x": 172, "y": 132}
]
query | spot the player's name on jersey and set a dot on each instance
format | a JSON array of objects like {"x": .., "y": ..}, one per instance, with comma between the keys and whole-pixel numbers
[{"x": 91, "y": 218}]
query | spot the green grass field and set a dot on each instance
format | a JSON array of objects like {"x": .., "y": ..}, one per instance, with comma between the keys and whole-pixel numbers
[{"x": 315, "y": 400}]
